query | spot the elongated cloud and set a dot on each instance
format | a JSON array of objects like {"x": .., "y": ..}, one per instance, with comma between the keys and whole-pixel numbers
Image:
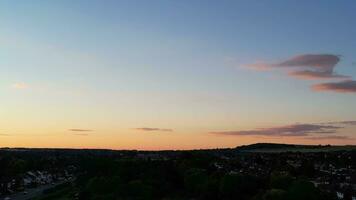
[
  {"x": 154, "y": 129},
  {"x": 306, "y": 66},
  {"x": 79, "y": 130},
  {"x": 288, "y": 130},
  {"x": 330, "y": 137},
  {"x": 311, "y": 75},
  {"x": 350, "y": 123},
  {"x": 348, "y": 86},
  {"x": 321, "y": 62}
]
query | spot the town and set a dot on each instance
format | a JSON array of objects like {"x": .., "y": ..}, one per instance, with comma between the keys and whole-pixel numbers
[{"x": 240, "y": 173}]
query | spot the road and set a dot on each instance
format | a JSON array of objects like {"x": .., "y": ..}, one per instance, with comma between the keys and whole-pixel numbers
[{"x": 31, "y": 193}]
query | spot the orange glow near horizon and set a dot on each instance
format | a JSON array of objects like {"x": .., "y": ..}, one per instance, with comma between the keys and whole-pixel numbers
[{"x": 135, "y": 140}]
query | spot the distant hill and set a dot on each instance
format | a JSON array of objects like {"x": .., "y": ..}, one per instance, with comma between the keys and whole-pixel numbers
[{"x": 276, "y": 147}]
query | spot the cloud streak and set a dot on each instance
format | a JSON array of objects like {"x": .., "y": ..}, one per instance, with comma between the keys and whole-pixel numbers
[
  {"x": 330, "y": 137},
  {"x": 348, "y": 86},
  {"x": 321, "y": 62},
  {"x": 306, "y": 66},
  {"x": 79, "y": 130},
  {"x": 288, "y": 130},
  {"x": 312, "y": 75},
  {"x": 154, "y": 129},
  {"x": 350, "y": 123}
]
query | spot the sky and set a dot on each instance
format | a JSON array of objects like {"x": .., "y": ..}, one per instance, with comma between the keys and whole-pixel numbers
[{"x": 152, "y": 75}]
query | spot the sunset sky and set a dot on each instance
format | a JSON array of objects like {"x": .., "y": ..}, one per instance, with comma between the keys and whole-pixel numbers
[{"x": 176, "y": 74}]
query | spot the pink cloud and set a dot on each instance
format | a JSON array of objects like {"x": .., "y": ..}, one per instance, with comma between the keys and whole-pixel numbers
[
  {"x": 154, "y": 129},
  {"x": 312, "y": 75},
  {"x": 306, "y": 66},
  {"x": 321, "y": 62},
  {"x": 288, "y": 130},
  {"x": 330, "y": 137},
  {"x": 348, "y": 86},
  {"x": 80, "y": 130}
]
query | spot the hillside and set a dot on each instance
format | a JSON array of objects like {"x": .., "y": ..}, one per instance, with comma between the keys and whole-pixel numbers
[{"x": 276, "y": 147}]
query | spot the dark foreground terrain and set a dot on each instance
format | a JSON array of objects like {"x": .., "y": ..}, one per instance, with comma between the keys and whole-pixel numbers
[{"x": 254, "y": 172}]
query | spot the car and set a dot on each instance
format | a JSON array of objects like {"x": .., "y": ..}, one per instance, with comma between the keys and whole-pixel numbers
[{"x": 7, "y": 198}]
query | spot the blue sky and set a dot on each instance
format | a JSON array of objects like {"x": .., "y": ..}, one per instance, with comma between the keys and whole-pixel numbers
[{"x": 177, "y": 64}]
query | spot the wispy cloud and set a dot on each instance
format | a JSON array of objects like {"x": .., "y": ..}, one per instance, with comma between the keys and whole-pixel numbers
[
  {"x": 306, "y": 66},
  {"x": 348, "y": 122},
  {"x": 154, "y": 129},
  {"x": 348, "y": 86},
  {"x": 288, "y": 130},
  {"x": 330, "y": 137},
  {"x": 20, "y": 86},
  {"x": 313, "y": 67},
  {"x": 79, "y": 130},
  {"x": 312, "y": 75},
  {"x": 351, "y": 123}
]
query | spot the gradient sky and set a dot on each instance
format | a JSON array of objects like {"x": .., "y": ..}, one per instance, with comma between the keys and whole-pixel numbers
[{"x": 176, "y": 74}]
